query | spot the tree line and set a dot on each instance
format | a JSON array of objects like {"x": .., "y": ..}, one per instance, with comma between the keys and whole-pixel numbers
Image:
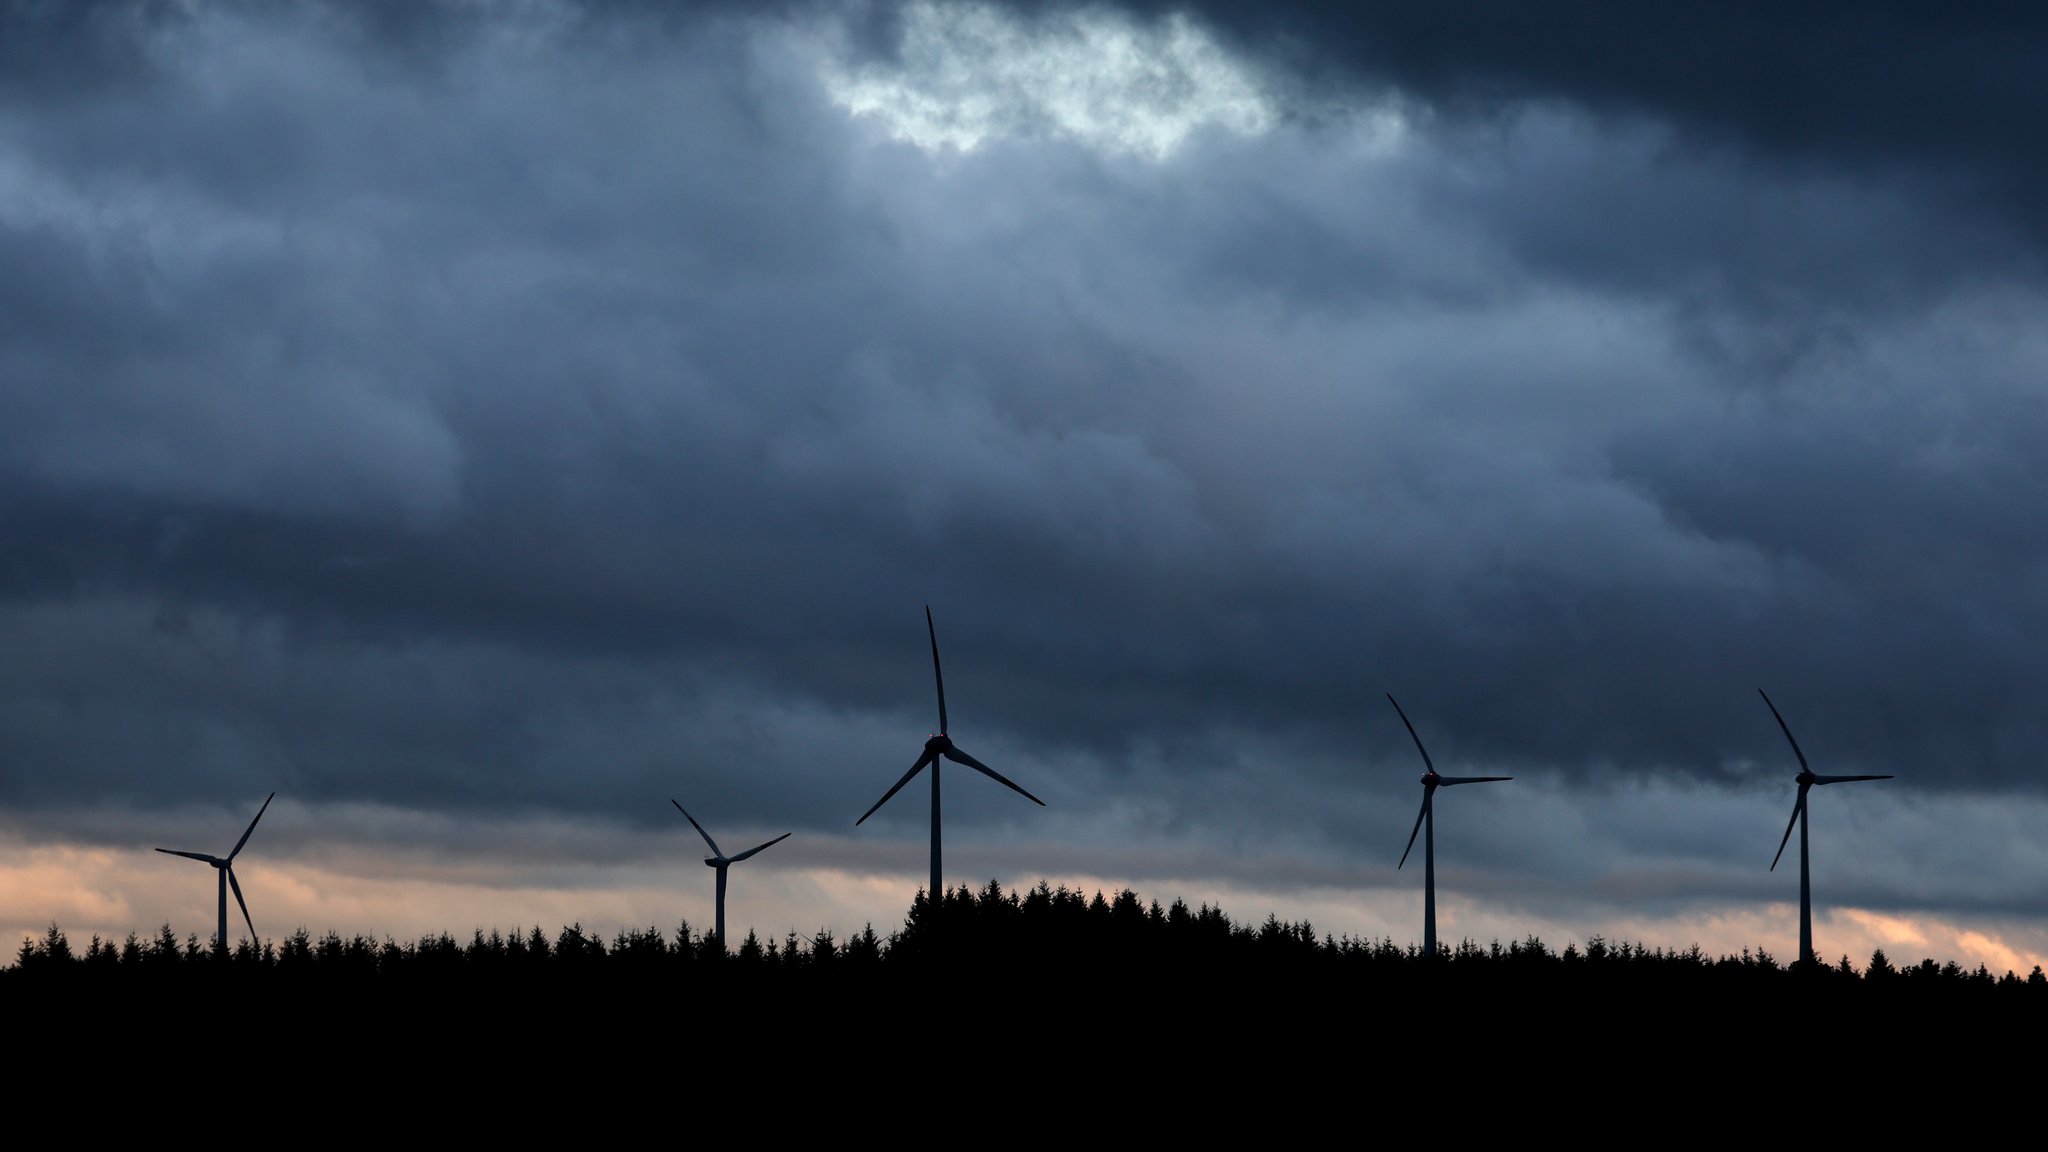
[{"x": 1046, "y": 932}]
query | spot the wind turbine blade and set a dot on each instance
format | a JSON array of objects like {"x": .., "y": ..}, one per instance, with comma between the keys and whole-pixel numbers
[
  {"x": 697, "y": 826},
  {"x": 232, "y": 883},
  {"x": 937, "y": 676},
  {"x": 191, "y": 855},
  {"x": 1798, "y": 806},
  {"x": 751, "y": 851},
  {"x": 1787, "y": 728},
  {"x": 959, "y": 757},
  {"x": 1423, "y": 811},
  {"x": 896, "y": 787},
  {"x": 1447, "y": 781},
  {"x": 1845, "y": 779},
  {"x": 252, "y": 825},
  {"x": 1418, "y": 741}
]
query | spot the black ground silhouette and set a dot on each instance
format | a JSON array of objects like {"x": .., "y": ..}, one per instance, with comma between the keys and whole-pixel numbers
[{"x": 1008, "y": 1000}]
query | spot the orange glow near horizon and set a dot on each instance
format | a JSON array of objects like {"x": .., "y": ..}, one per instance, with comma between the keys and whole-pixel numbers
[{"x": 88, "y": 891}]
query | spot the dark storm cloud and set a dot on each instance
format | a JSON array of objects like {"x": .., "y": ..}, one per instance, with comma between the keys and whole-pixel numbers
[
  {"x": 548, "y": 410},
  {"x": 52, "y": 51},
  {"x": 1952, "y": 97}
]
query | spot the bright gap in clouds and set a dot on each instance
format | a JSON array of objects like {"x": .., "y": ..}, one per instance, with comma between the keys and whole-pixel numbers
[{"x": 969, "y": 72}]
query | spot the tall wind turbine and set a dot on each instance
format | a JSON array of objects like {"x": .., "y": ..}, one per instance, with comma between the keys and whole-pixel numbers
[
  {"x": 1427, "y": 819},
  {"x": 721, "y": 861},
  {"x": 225, "y": 865},
  {"x": 941, "y": 745},
  {"x": 1806, "y": 779}
]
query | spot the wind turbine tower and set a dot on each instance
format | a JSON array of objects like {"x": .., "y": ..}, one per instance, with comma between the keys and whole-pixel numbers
[
  {"x": 1807, "y": 780},
  {"x": 937, "y": 747},
  {"x": 721, "y": 861},
  {"x": 1425, "y": 822},
  {"x": 225, "y": 866}
]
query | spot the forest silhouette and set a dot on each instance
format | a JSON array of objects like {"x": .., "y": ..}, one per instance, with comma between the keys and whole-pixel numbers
[
  {"x": 1050, "y": 933},
  {"x": 996, "y": 995}
]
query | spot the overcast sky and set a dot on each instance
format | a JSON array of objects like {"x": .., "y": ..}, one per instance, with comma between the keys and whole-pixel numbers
[{"x": 479, "y": 423}]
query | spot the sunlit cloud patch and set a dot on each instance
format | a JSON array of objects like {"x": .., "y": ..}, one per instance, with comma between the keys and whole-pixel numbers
[{"x": 967, "y": 73}]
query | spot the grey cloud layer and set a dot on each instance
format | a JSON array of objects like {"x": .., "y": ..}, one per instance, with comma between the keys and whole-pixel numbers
[
  {"x": 545, "y": 414},
  {"x": 1948, "y": 99}
]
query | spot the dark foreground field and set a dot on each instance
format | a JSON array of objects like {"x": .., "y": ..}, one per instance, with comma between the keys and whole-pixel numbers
[{"x": 1010, "y": 998}]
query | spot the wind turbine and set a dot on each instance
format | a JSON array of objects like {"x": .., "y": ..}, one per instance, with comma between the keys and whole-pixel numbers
[
  {"x": 721, "y": 861},
  {"x": 1427, "y": 819},
  {"x": 1806, "y": 779},
  {"x": 226, "y": 867},
  {"x": 941, "y": 745}
]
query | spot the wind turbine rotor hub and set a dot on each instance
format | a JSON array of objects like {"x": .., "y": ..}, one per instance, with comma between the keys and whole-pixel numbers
[
  {"x": 1805, "y": 777},
  {"x": 938, "y": 744},
  {"x": 1429, "y": 779}
]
